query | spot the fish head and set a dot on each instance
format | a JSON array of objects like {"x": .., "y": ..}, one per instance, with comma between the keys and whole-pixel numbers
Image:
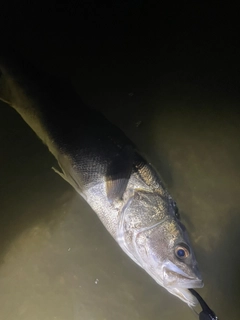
[
  {"x": 155, "y": 238},
  {"x": 165, "y": 252}
]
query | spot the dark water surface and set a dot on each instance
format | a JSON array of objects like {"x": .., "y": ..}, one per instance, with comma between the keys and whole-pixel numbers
[{"x": 183, "y": 112}]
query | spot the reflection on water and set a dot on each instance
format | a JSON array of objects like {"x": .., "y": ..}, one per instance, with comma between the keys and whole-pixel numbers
[{"x": 58, "y": 261}]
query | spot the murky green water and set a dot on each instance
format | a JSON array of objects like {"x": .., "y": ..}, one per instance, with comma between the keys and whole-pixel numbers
[{"x": 59, "y": 262}]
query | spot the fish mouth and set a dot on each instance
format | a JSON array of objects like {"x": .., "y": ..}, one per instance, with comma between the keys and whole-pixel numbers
[
  {"x": 173, "y": 276},
  {"x": 182, "y": 282},
  {"x": 177, "y": 282},
  {"x": 179, "y": 285}
]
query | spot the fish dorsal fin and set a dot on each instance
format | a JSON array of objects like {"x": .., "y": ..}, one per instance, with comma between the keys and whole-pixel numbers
[{"x": 118, "y": 173}]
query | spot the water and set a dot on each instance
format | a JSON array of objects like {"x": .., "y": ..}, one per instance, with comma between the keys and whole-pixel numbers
[{"x": 57, "y": 261}]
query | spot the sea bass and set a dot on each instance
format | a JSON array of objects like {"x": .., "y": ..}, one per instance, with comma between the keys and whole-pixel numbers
[{"x": 108, "y": 171}]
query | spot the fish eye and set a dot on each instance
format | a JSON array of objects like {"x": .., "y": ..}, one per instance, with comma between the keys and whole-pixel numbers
[{"x": 182, "y": 252}]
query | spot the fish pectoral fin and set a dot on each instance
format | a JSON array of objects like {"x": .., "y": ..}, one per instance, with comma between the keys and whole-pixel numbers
[
  {"x": 116, "y": 188},
  {"x": 118, "y": 173}
]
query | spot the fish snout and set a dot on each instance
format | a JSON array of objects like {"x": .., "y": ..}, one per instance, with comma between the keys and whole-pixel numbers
[{"x": 173, "y": 276}]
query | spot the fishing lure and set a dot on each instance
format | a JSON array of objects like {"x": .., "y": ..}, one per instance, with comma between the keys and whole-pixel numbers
[{"x": 206, "y": 313}]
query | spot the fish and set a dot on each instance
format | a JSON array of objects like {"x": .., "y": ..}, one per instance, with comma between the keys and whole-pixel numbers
[{"x": 107, "y": 170}]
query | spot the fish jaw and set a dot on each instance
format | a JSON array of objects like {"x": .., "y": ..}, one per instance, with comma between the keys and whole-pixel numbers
[
  {"x": 185, "y": 295},
  {"x": 170, "y": 281},
  {"x": 172, "y": 276},
  {"x": 181, "y": 292}
]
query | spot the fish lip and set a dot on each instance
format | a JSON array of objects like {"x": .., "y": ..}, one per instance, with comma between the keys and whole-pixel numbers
[
  {"x": 188, "y": 283},
  {"x": 191, "y": 284},
  {"x": 172, "y": 272}
]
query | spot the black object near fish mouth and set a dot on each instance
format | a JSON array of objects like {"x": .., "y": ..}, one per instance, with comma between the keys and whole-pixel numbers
[{"x": 206, "y": 313}]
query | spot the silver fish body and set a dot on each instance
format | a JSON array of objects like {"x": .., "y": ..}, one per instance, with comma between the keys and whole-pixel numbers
[{"x": 106, "y": 169}]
